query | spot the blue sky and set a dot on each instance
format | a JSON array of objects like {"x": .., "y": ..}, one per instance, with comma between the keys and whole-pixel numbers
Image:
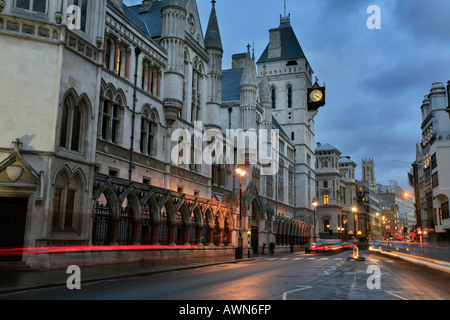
[{"x": 376, "y": 79}]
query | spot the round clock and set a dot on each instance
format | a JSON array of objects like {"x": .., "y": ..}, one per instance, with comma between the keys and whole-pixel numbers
[{"x": 316, "y": 95}]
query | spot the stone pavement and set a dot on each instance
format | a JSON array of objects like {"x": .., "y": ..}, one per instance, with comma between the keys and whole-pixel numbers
[{"x": 16, "y": 277}]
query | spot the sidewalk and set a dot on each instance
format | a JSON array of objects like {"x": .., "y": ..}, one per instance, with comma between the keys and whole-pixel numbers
[{"x": 15, "y": 277}]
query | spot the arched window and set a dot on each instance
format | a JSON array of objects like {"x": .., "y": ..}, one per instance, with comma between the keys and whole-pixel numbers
[
  {"x": 110, "y": 118},
  {"x": 149, "y": 126},
  {"x": 66, "y": 201},
  {"x": 274, "y": 99},
  {"x": 289, "y": 96},
  {"x": 196, "y": 93},
  {"x": 71, "y": 125},
  {"x": 326, "y": 225}
]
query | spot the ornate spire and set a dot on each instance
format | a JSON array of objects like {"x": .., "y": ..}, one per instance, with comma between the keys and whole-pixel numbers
[{"x": 212, "y": 37}]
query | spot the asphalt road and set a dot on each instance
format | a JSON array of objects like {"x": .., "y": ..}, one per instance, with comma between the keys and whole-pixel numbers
[{"x": 289, "y": 277}]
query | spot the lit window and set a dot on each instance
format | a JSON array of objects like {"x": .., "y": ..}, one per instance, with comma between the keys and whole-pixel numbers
[{"x": 326, "y": 199}]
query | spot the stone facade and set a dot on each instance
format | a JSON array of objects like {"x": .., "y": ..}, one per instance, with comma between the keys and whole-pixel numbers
[
  {"x": 430, "y": 170},
  {"x": 86, "y": 134}
]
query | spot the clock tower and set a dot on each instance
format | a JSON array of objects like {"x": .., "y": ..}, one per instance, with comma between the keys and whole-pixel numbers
[{"x": 295, "y": 103}]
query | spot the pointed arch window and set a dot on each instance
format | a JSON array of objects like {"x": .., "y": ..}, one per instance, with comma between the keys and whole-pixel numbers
[
  {"x": 110, "y": 119},
  {"x": 149, "y": 127},
  {"x": 274, "y": 98},
  {"x": 67, "y": 197},
  {"x": 71, "y": 126},
  {"x": 289, "y": 97}
]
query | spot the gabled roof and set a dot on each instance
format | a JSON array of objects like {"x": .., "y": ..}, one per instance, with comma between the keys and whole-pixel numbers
[{"x": 290, "y": 47}]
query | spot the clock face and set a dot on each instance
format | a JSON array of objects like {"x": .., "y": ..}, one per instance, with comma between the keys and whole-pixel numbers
[{"x": 316, "y": 95}]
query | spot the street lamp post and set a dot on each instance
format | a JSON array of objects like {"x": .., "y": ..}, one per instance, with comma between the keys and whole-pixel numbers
[
  {"x": 315, "y": 204},
  {"x": 355, "y": 211},
  {"x": 239, "y": 249}
]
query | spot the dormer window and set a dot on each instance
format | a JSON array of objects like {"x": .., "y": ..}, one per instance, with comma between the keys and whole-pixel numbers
[{"x": 32, "y": 5}]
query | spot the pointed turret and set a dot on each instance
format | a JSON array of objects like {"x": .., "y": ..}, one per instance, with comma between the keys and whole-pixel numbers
[
  {"x": 213, "y": 45},
  {"x": 212, "y": 37},
  {"x": 249, "y": 88},
  {"x": 249, "y": 75}
]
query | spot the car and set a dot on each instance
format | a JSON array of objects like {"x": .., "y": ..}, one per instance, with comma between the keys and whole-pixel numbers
[
  {"x": 324, "y": 245},
  {"x": 311, "y": 247}
]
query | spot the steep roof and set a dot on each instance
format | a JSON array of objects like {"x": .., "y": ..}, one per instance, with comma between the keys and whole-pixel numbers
[
  {"x": 148, "y": 21},
  {"x": 231, "y": 84},
  {"x": 212, "y": 37},
  {"x": 290, "y": 47}
]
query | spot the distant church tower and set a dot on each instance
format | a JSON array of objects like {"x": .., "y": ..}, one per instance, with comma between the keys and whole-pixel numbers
[{"x": 368, "y": 172}]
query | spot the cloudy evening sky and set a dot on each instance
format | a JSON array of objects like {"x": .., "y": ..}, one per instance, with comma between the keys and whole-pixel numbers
[{"x": 376, "y": 79}]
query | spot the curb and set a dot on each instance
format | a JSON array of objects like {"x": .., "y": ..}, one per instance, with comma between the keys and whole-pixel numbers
[{"x": 130, "y": 274}]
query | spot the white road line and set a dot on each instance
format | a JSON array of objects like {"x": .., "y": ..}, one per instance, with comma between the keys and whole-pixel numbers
[
  {"x": 296, "y": 290},
  {"x": 299, "y": 258},
  {"x": 393, "y": 293}
]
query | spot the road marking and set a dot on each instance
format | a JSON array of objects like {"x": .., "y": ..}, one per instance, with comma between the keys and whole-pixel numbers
[
  {"x": 338, "y": 259},
  {"x": 284, "y": 258},
  {"x": 299, "y": 258},
  {"x": 296, "y": 290},
  {"x": 323, "y": 259},
  {"x": 393, "y": 293},
  {"x": 311, "y": 259}
]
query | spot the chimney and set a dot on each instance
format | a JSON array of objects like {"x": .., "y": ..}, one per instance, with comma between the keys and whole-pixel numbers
[
  {"x": 238, "y": 61},
  {"x": 274, "y": 44}
]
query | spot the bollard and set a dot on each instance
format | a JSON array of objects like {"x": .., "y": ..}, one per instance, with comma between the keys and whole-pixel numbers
[{"x": 355, "y": 253}]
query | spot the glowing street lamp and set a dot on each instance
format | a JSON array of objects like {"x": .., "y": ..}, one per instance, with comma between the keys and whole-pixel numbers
[
  {"x": 239, "y": 249},
  {"x": 315, "y": 204},
  {"x": 355, "y": 211}
]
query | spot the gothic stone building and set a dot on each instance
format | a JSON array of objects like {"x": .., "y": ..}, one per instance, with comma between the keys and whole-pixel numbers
[{"x": 89, "y": 107}]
